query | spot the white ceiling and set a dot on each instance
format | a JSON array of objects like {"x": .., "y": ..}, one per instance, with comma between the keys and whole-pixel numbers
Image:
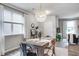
[{"x": 63, "y": 10}]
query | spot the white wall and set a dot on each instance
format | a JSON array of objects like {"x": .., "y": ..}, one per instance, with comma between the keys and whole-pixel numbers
[
  {"x": 13, "y": 42},
  {"x": 47, "y": 28},
  {"x": 41, "y": 27},
  {"x": 1, "y": 32},
  {"x": 50, "y": 26},
  {"x": 29, "y": 19}
]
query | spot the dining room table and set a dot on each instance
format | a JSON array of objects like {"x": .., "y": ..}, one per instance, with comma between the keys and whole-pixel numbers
[{"x": 40, "y": 44}]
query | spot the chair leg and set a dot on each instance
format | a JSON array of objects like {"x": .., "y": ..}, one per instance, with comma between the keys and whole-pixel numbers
[
  {"x": 53, "y": 52},
  {"x": 47, "y": 51}
]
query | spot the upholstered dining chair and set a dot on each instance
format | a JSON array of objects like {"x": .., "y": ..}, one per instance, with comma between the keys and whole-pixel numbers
[{"x": 51, "y": 47}]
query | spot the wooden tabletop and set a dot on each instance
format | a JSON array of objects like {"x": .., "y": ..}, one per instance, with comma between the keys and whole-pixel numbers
[{"x": 37, "y": 42}]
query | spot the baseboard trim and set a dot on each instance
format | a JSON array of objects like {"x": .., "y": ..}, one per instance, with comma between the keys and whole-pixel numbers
[{"x": 9, "y": 50}]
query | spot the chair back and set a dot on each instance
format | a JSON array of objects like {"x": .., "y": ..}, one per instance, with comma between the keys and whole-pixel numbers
[
  {"x": 53, "y": 42},
  {"x": 23, "y": 49},
  {"x": 27, "y": 50}
]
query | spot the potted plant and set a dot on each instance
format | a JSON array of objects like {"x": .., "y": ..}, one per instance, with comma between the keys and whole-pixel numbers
[{"x": 58, "y": 37}]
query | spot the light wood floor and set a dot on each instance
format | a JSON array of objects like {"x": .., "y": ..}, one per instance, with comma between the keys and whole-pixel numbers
[{"x": 73, "y": 50}]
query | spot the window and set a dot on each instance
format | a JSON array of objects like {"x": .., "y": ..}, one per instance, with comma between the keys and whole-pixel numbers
[
  {"x": 17, "y": 18},
  {"x": 17, "y": 29},
  {"x": 7, "y": 28},
  {"x": 7, "y": 15},
  {"x": 13, "y": 22},
  {"x": 70, "y": 27}
]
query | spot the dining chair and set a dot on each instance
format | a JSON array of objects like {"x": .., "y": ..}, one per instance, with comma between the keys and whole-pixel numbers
[
  {"x": 23, "y": 49},
  {"x": 51, "y": 47},
  {"x": 53, "y": 43},
  {"x": 27, "y": 50}
]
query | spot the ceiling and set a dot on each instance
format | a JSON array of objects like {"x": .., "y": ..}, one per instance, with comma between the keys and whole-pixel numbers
[{"x": 62, "y": 10}]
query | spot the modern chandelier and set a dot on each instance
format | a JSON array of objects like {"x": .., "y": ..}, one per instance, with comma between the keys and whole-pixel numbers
[{"x": 41, "y": 14}]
